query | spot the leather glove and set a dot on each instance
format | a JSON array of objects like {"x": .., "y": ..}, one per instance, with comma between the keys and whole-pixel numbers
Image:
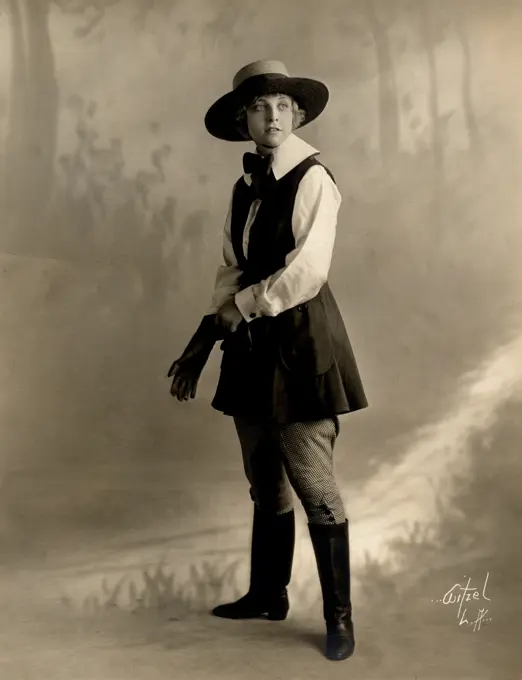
[{"x": 187, "y": 369}]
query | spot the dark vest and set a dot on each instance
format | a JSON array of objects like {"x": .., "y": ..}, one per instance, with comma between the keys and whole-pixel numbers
[
  {"x": 271, "y": 237},
  {"x": 298, "y": 365}
]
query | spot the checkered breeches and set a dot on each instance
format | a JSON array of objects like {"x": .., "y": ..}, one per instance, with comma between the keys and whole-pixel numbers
[{"x": 278, "y": 458}]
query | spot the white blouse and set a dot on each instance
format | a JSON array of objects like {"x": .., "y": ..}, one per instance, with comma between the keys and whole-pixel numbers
[{"x": 314, "y": 223}]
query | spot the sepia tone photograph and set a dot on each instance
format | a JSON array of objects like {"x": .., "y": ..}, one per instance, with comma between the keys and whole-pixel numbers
[{"x": 261, "y": 339}]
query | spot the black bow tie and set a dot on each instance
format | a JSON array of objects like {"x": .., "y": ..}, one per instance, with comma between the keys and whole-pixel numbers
[
  {"x": 259, "y": 168},
  {"x": 254, "y": 164}
]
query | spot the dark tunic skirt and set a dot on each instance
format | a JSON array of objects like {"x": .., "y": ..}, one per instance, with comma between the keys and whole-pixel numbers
[{"x": 293, "y": 367}]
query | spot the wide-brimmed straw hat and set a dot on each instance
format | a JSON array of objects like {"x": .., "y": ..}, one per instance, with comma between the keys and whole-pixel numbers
[{"x": 257, "y": 79}]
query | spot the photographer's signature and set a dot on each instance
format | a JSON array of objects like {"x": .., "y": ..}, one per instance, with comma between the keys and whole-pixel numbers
[{"x": 465, "y": 596}]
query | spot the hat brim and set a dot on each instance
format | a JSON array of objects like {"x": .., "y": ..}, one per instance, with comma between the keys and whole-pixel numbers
[{"x": 310, "y": 95}]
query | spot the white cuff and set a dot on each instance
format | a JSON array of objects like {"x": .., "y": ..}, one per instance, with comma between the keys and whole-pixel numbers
[{"x": 246, "y": 303}]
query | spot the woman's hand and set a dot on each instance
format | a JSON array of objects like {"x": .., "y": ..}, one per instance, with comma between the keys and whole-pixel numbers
[
  {"x": 229, "y": 317},
  {"x": 185, "y": 372},
  {"x": 187, "y": 369}
]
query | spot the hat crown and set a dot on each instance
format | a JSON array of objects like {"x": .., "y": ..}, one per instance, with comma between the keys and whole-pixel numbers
[{"x": 262, "y": 67}]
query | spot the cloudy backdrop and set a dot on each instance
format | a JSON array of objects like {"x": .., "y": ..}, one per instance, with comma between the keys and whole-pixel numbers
[{"x": 112, "y": 203}]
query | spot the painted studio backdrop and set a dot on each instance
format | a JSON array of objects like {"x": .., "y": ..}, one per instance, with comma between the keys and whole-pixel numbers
[{"x": 124, "y": 515}]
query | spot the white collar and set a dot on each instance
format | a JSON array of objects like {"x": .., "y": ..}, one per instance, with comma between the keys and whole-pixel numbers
[{"x": 292, "y": 151}]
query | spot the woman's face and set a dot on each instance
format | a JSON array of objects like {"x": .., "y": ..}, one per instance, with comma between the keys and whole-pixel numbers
[{"x": 270, "y": 119}]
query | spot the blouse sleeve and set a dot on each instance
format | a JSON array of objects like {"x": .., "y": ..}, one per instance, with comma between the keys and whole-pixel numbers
[{"x": 228, "y": 274}]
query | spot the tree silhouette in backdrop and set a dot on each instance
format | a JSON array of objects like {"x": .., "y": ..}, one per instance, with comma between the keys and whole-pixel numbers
[{"x": 32, "y": 137}]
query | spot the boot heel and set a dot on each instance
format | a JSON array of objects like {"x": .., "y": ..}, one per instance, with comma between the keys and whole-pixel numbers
[
  {"x": 279, "y": 611},
  {"x": 277, "y": 616}
]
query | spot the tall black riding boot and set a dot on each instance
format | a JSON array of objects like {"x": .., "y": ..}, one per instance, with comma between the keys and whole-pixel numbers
[
  {"x": 331, "y": 547},
  {"x": 272, "y": 553}
]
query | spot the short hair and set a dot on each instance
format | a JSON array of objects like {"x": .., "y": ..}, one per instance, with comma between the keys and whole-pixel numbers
[{"x": 298, "y": 117}]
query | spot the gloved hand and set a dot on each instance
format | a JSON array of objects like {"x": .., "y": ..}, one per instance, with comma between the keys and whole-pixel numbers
[{"x": 187, "y": 369}]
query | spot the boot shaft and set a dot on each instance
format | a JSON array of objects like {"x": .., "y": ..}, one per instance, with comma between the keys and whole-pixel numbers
[
  {"x": 272, "y": 551},
  {"x": 332, "y": 552}
]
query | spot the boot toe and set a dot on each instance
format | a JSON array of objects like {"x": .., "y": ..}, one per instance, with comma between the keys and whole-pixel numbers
[
  {"x": 339, "y": 647},
  {"x": 245, "y": 608}
]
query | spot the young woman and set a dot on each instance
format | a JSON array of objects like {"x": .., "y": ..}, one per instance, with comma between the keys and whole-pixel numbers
[{"x": 288, "y": 370}]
